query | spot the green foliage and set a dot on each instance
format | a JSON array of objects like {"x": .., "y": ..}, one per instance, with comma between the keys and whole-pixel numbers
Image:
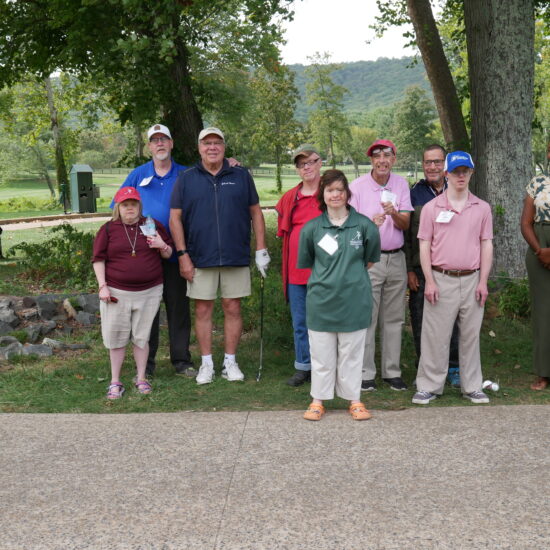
[
  {"x": 23, "y": 204},
  {"x": 414, "y": 121},
  {"x": 371, "y": 85},
  {"x": 327, "y": 121},
  {"x": 514, "y": 299},
  {"x": 274, "y": 128},
  {"x": 64, "y": 258},
  {"x": 21, "y": 335}
]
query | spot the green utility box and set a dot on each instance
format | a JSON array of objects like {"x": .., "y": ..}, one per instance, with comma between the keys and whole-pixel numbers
[{"x": 83, "y": 191}]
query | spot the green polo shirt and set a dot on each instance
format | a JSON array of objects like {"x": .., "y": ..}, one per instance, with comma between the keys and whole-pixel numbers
[{"x": 339, "y": 293}]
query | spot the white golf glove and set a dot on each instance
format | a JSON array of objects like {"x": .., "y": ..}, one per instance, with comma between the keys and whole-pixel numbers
[{"x": 262, "y": 260}]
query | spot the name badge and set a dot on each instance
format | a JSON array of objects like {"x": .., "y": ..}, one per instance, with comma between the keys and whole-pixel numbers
[
  {"x": 329, "y": 244},
  {"x": 145, "y": 181},
  {"x": 388, "y": 196},
  {"x": 445, "y": 217}
]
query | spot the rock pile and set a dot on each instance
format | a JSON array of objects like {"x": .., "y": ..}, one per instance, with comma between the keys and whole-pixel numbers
[{"x": 39, "y": 316}]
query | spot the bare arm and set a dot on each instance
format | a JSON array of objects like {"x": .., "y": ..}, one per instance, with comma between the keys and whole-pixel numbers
[
  {"x": 528, "y": 232},
  {"x": 258, "y": 225},
  {"x": 431, "y": 292},
  {"x": 486, "y": 261},
  {"x": 99, "y": 270},
  {"x": 187, "y": 269}
]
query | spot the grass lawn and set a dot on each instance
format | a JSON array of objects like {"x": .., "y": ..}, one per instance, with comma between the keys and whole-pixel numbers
[{"x": 76, "y": 381}]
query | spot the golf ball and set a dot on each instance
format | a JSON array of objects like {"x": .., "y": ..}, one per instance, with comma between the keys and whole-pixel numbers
[{"x": 489, "y": 385}]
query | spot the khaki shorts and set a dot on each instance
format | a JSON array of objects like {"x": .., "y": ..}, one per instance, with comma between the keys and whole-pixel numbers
[
  {"x": 130, "y": 318},
  {"x": 233, "y": 282}
]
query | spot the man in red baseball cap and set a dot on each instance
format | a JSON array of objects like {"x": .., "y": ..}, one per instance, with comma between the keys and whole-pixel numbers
[{"x": 385, "y": 198}]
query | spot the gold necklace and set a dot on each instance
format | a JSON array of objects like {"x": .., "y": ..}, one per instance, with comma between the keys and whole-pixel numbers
[{"x": 133, "y": 246}]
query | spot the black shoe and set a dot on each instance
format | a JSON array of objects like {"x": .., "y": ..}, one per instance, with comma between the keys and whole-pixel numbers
[
  {"x": 299, "y": 377},
  {"x": 186, "y": 369},
  {"x": 396, "y": 384},
  {"x": 368, "y": 385}
]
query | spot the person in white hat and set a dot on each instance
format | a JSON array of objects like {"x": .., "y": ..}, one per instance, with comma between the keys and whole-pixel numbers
[{"x": 212, "y": 208}]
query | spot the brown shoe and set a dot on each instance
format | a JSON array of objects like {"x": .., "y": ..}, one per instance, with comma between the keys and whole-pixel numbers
[
  {"x": 314, "y": 412},
  {"x": 541, "y": 383},
  {"x": 358, "y": 411}
]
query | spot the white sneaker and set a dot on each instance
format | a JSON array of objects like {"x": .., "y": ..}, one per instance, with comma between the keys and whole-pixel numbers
[
  {"x": 206, "y": 374},
  {"x": 232, "y": 372}
]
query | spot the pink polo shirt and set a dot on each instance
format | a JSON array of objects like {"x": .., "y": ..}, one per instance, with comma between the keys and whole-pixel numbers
[
  {"x": 365, "y": 198},
  {"x": 457, "y": 244}
]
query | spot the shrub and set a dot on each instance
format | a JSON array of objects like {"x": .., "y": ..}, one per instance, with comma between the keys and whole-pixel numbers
[
  {"x": 513, "y": 298},
  {"x": 22, "y": 204},
  {"x": 64, "y": 259}
]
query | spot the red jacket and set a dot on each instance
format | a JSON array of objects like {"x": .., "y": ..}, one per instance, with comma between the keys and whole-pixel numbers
[{"x": 284, "y": 209}]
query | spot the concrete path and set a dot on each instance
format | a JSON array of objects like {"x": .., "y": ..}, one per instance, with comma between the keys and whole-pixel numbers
[{"x": 444, "y": 478}]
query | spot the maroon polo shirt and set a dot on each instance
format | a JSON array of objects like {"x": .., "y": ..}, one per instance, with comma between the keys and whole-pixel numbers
[{"x": 122, "y": 270}]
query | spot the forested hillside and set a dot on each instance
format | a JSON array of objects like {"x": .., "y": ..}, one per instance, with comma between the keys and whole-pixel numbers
[{"x": 371, "y": 84}]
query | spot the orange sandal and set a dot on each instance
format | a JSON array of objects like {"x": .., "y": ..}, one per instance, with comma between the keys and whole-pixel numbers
[
  {"x": 314, "y": 412},
  {"x": 541, "y": 383},
  {"x": 358, "y": 411}
]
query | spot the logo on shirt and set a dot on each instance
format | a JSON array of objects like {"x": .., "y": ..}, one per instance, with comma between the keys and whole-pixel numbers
[
  {"x": 356, "y": 241},
  {"x": 228, "y": 183}
]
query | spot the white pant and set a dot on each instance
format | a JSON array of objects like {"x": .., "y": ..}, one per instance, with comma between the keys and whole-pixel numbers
[{"x": 336, "y": 363}]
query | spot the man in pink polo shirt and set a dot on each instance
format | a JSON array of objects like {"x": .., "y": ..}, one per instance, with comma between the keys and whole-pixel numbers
[
  {"x": 456, "y": 253},
  {"x": 385, "y": 198}
]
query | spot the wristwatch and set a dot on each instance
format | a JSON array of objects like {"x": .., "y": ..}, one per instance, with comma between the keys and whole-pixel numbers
[{"x": 181, "y": 253}]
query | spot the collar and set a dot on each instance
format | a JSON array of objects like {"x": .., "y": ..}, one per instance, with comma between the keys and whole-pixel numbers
[
  {"x": 350, "y": 222},
  {"x": 442, "y": 201},
  {"x": 146, "y": 181},
  {"x": 376, "y": 186}
]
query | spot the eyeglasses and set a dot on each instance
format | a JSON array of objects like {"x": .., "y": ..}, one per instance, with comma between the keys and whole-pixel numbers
[
  {"x": 302, "y": 165},
  {"x": 386, "y": 151},
  {"x": 217, "y": 143},
  {"x": 162, "y": 139},
  {"x": 438, "y": 162}
]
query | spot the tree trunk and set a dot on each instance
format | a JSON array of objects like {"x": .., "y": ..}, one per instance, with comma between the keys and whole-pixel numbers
[
  {"x": 439, "y": 74},
  {"x": 500, "y": 38},
  {"x": 60, "y": 168},
  {"x": 182, "y": 114},
  {"x": 44, "y": 169},
  {"x": 278, "y": 163},
  {"x": 139, "y": 141}
]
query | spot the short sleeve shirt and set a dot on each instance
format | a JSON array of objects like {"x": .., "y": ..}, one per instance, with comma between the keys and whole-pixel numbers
[
  {"x": 339, "y": 292},
  {"x": 539, "y": 190},
  {"x": 456, "y": 244},
  {"x": 366, "y": 198}
]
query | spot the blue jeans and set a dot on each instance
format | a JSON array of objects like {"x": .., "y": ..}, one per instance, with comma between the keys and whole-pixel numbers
[{"x": 297, "y": 301}]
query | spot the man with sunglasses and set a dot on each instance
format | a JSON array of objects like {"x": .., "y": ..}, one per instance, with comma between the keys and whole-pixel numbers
[
  {"x": 385, "y": 198},
  {"x": 422, "y": 192},
  {"x": 295, "y": 208}
]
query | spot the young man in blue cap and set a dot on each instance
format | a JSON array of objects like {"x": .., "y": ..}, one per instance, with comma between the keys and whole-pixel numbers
[{"x": 456, "y": 253}]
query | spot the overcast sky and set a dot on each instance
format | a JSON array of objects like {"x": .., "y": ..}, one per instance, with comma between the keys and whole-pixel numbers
[{"x": 341, "y": 28}]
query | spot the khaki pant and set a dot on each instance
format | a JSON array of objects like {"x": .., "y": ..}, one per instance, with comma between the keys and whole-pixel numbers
[
  {"x": 457, "y": 300},
  {"x": 336, "y": 363},
  {"x": 389, "y": 284}
]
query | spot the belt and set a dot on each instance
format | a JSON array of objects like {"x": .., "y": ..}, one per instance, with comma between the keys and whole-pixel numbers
[
  {"x": 454, "y": 272},
  {"x": 395, "y": 251}
]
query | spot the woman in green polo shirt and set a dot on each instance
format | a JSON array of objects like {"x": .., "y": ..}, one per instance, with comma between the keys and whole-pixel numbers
[{"x": 338, "y": 246}]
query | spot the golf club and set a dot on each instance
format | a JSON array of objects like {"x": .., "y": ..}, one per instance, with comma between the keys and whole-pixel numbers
[{"x": 261, "y": 328}]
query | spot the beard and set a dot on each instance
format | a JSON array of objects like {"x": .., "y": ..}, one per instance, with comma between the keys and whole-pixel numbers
[{"x": 162, "y": 155}]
